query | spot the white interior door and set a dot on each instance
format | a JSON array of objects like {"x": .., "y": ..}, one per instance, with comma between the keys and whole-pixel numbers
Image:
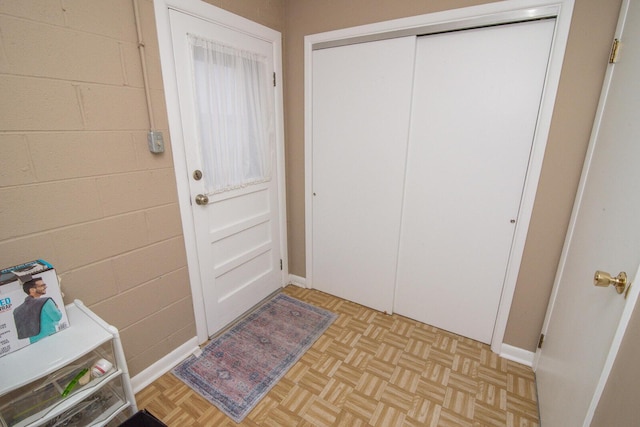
[
  {"x": 237, "y": 232},
  {"x": 361, "y": 105},
  {"x": 584, "y": 324},
  {"x": 476, "y": 99}
]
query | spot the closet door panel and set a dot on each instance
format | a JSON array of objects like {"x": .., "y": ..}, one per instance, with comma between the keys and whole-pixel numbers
[
  {"x": 361, "y": 108},
  {"x": 475, "y": 105}
]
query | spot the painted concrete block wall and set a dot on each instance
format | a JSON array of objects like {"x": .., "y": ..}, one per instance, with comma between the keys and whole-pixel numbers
[
  {"x": 79, "y": 188},
  {"x": 78, "y": 185}
]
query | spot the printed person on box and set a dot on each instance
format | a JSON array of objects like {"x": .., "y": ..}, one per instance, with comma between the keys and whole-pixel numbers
[{"x": 37, "y": 317}]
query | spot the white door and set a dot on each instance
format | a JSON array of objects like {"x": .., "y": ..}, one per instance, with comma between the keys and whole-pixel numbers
[
  {"x": 361, "y": 108},
  {"x": 476, "y": 99},
  {"x": 584, "y": 323},
  {"x": 235, "y": 212}
]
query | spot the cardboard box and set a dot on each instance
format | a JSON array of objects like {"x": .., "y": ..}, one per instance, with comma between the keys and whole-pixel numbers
[{"x": 31, "y": 305}]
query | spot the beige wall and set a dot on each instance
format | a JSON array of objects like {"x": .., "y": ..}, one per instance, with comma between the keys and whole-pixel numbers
[
  {"x": 582, "y": 75},
  {"x": 80, "y": 189},
  {"x": 78, "y": 185},
  {"x": 586, "y": 59},
  {"x": 270, "y": 13}
]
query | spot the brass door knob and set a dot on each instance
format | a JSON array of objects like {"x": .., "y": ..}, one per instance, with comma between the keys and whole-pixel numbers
[
  {"x": 604, "y": 279},
  {"x": 202, "y": 199}
]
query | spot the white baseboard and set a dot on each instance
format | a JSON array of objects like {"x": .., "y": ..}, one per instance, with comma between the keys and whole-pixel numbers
[
  {"x": 167, "y": 363},
  {"x": 517, "y": 355},
  {"x": 297, "y": 280},
  {"x": 507, "y": 351},
  {"x": 164, "y": 365}
]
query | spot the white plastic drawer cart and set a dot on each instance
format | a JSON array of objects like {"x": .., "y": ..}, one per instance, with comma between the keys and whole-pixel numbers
[{"x": 34, "y": 379}]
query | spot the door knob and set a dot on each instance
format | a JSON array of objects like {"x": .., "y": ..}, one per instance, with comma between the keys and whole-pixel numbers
[
  {"x": 602, "y": 278},
  {"x": 202, "y": 199}
]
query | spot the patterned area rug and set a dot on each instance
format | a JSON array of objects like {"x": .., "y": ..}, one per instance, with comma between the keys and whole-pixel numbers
[{"x": 239, "y": 367}]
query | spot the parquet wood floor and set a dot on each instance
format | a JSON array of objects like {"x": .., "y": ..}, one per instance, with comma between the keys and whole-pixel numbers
[{"x": 373, "y": 369}]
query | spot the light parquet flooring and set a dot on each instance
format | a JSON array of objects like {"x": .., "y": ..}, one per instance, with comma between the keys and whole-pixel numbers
[{"x": 373, "y": 369}]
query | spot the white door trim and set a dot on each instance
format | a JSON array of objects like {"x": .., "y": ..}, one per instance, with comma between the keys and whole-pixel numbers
[
  {"x": 221, "y": 17},
  {"x": 634, "y": 291},
  {"x": 492, "y": 13}
]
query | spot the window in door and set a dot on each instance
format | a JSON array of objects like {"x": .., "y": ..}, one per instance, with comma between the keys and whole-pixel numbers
[{"x": 234, "y": 115}]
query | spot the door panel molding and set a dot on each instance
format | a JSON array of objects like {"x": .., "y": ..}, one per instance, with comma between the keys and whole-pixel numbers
[{"x": 499, "y": 12}]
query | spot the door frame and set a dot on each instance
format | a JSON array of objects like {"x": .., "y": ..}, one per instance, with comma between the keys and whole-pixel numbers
[
  {"x": 227, "y": 19},
  {"x": 634, "y": 291},
  {"x": 488, "y": 14}
]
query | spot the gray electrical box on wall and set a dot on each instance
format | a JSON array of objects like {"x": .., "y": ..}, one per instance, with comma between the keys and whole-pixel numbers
[{"x": 156, "y": 143}]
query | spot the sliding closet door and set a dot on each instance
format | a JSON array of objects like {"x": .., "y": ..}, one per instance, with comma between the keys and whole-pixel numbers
[
  {"x": 361, "y": 104},
  {"x": 475, "y": 105}
]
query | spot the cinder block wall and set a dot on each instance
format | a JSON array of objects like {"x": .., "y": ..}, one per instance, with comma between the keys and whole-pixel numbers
[{"x": 78, "y": 185}]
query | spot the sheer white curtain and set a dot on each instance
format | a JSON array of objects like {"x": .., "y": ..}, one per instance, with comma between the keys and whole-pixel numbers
[{"x": 235, "y": 115}]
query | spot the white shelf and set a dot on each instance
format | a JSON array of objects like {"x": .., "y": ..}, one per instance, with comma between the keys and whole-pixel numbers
[
  {"x": 86, "y": 337},
  {"x": 61, "y": 406},
  {"x": 53, "y": 352}
]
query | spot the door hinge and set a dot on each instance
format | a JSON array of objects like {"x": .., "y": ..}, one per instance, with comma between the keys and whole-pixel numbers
[
  {"x": 274, "y": 79},
  {"x": 615, "y": 48},
  {"x": 280, "y": 264},
  {"x": 541, "y": 340}
]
